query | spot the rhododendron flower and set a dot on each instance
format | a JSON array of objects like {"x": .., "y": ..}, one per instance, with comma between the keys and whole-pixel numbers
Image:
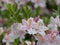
[
  {"x": 40, "y": 3},
  {"x": 1, "y": 30},
  {"x": 21, "y": 2},
  {"x": 52, "y": 36},
  {"x": 8, "y": 1},
  {"x": 55, "y": 20},
  {"x": 29, "y": 25},
  {"x": 16, "y": 32},
  {"x": 52, "y": 26},
  {"x": 41, "y": 27},
  {"x": 57, "y": 2},
  {"x": 34, "y": 27},
  {"x": 8, "y": 39}
]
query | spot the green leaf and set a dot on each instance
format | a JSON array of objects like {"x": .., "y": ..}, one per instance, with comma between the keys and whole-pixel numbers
[
  {"x": 59, "y": 9},
  {"x": 46, "y": 20},
  {"x": 15, "y": 7},
  {"x": 17, "y": 41},
  {"x": 27, "y": 10},
  {"x": 10, "y": 8},
  {"x": 37, "y": 11}
]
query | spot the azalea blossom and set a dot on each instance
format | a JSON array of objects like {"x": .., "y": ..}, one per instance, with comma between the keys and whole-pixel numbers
[
  {"x": 29, "y": 25},
  {"x": 35, "y": 27},
  {"x": 41, "y": 3},
  {"x": 56, "y": 20},
  {"x": 15, "y": 33},
  {"x": 41, "y": 27},
  {"x": 57, "y": 2},
  {"x": 1, "y": 30},
  {"x": 18, "y": 31},
  {"x": 21, "y": 2},
  {"x": 8, "y": 1},
  {"x": 54, "y": 23}
]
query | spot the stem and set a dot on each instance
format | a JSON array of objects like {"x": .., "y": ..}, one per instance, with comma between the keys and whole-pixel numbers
[{"x": 36, "y": 42}]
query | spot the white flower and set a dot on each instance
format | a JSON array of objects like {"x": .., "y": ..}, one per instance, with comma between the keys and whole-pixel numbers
[
  {"x": 37, "y": 27},
  {"x": 8, "y": 1},
  {"x": 16, "y": 32},
  {"x": 54, "y": 23},
  {"x": 41, "y": 27},
  {"x": 57, "y": 2},
  {"x": 53, "y": 26},
  {"x": 7, "y": 43},
  {"x": 1, "y": 30},
  {"x": 29, "y": 25},
  {"x": 16, "y": 26},
  {"x": 40, "y": 3},
  {"x": 21, "y": 2},
  {"x": 42, "y": 30},
  {"x": 55, "y": 20},
  {"x": 8, "y": 38}
]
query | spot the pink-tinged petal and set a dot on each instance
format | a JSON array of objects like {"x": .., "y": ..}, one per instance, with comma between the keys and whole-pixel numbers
[
  {"x": 23, "y": 27},
  {"x": 37, "y": 18},
  {"x": 42, "y": 38},
  {"x": 57, "y": 2},
  {"x": 55, "y": 33},
  {"x": 34, "y": 25},
  {"x": 52, "y": 40},
  {"x": 7, "y": 43},
  {"x": 38, "y": 1},
  {"x": 24, "y": 22}
]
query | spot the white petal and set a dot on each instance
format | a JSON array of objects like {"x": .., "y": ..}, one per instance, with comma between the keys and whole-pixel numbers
[
  {"x": 57, "y": 37},
  {"x": 42, "y": 33},
  {"x": 43, "y": 28},
  {"x": 40, "y": 21},
  {"x": 52, "y": 26},
  {"x": 24, "y": 22},
  {"x": 52, "y": 20},
  {"x": 7, "y": 43},
  {"x": 36, "y": 5},
  {"x": 32, "y": 31}
]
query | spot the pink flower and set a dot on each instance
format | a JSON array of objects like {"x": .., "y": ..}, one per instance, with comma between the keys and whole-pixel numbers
[{"x": 52, "y": 36}]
